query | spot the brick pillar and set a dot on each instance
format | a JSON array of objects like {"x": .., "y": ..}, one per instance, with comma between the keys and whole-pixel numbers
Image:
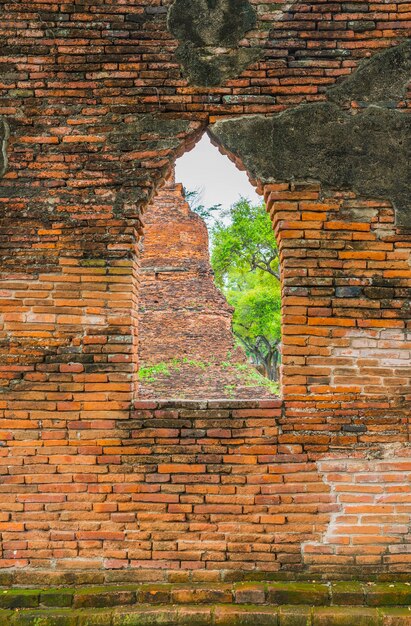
[{"x": 345, "y": 271}]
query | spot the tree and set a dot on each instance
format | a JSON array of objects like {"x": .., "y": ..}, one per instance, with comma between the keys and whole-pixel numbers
[
  {"x": 243, "y": 238},
  {"x": 194, "y": 199},
  {"x": 245, "y": 262}
]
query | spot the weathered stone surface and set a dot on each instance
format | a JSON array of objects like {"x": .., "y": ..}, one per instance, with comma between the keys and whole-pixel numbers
[
  {"x": 19, "y": 599},
  {"x": 57, "y": 598},
  {"x": 297, "y": 593},
  {"x": 350, "y": 592},
  {"x": 245, "y": 616},
  {"x": 204, "y": 67},
  {"x": 42, "y": 618},
  {"x": 294, "y": 615},
  {"x": 347, "y": 616},
  {"x": 211, "y": 22},
  {"x": 382, "y": 79},
  {"x": 155, "y": 131},
  {"x": 367, "y": 153},
  {"x": 209, "y": 32},
  {"x": 4, "y": 135}
]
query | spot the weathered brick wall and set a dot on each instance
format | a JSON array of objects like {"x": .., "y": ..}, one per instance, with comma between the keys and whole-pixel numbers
[
  {"x": 346, "y": 289},
  {"x": 97, "y": 110},
  {"x": 208, "y": 491}
]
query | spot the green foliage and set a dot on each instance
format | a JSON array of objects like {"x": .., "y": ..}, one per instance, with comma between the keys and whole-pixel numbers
[
  {"x": 243, "y": 241},
  {"x": 151, "y": 372},
  {"x": 257, "y": 306},
  {"x": 245, "y": 263},
  {"x": 193, "y": 198}
]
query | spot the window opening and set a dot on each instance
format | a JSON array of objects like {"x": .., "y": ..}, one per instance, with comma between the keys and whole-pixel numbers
[{"x": 209, "y": 312}]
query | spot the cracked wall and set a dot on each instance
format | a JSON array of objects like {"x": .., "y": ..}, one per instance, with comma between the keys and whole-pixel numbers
[{"x": 367, "y": 152}]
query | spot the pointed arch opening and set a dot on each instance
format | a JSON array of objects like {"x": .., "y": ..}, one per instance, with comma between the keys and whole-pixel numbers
[{"x": 209, "y": 290}]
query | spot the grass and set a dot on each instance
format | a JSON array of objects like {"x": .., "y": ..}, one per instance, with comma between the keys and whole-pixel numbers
[
  {"x": 246, "y": 374},
  {"x": 151, "y": 373}
]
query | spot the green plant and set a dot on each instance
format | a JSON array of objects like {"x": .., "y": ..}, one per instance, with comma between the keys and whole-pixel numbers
[
  {"x": 151, "y": 372},
  {"x": 246, "y": 267}
]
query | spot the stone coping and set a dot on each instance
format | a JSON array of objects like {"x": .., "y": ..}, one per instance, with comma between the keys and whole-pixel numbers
[
  {"x": 339, "y": 593},
  {"x": 224, "y": 403},
  {"x": 220, "y": 615}
]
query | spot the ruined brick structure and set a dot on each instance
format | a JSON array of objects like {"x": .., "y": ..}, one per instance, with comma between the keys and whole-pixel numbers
[
  {"x": 176, "y": 285},
  {"x": 98, "y": 99},
  {"x": 184, "y": 320}
]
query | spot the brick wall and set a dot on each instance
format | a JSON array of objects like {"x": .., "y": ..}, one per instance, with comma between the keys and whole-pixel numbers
[
  {"x": 208, "y": 491},
  {"x": 98, "y": 110},
  {"x": 346, "y": 286}
]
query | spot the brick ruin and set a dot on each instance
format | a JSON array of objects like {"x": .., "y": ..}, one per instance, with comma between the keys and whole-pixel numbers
[
  {"x": 184, "y": 320},
  {"x": 97, "y": 100}
]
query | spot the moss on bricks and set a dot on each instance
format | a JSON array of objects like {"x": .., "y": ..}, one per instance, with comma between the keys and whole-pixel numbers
[
  {"x": 396, "y": 616},
  {"x": 386, "y": 594},
  {"x": 246, "y": 616},
  {"x": 202, "y": 595},
  {"x": 5, "y": 617},
  {"x": 249, "y": 593},
  {"x": 39, "y": 618},
  {"x": 101, "y": 598},
  {"x": 154, "y": 594},
  {"x": 165, "y": 616},
  {"x": 350, "y": 592},
  {"x": 295, "y": 615},
  {"x": 194, "y": 616},
  {"x": 298, "y": 593},
  {"x": 57, "y": 598},
  {"x": 19, "y": 598},
  {"x": 95, "y": 617},
  {"x": 345, "y": 616}
]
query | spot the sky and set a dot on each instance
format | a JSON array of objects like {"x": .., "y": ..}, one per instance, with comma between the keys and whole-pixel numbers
[{"x": 206, "y": 169}]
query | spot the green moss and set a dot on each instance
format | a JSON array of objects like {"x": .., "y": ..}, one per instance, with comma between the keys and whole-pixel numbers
[
  {"x": 349, "y": 592},
  {"x": 150, "y": 373},
  {"x": 5, "y": 617},
  {"x": 40, "y": 618},
  {"x": 346, "y": 616},
  {"x": 146, "y": 617},
  {"x": 388, "y": 594},
  {"x": 57, "y": 598},
  {"x": 19, "y": 598},
  {"x": 246, "y": 615},
  {"x": 94, "y": 617},
  {"x": 298, "y": 593},
  {"x": 295, "y": 615}
]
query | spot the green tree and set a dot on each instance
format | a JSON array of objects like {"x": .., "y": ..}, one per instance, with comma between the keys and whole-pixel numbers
[
  {"x": 245, "y": 262},
  {"x": 194, "y": 199},
  {"x": 243, "y": 239}
]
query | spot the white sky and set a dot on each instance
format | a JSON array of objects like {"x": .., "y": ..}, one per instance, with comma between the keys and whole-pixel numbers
[{"x": 206, "y": 169}]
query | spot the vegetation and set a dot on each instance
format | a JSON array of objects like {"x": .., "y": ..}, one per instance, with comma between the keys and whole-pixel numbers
[
  {"x": 246, "y": 266},
  {"x": 194, "y": 200},
  {"x": 243, "y": 373}
]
